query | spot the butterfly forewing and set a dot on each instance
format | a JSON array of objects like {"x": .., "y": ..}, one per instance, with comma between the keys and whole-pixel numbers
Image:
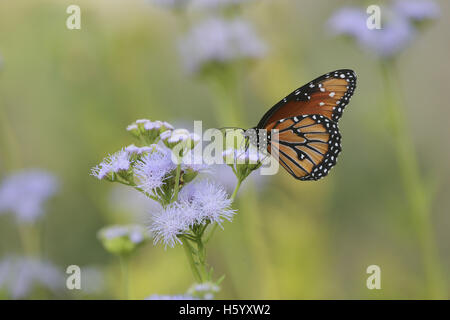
[
  {"x": 307, "y": 146},
  {"x": 327, "y": 96}
]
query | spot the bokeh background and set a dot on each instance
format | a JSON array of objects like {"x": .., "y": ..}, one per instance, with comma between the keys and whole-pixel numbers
[{"x": 66, "y": 97}]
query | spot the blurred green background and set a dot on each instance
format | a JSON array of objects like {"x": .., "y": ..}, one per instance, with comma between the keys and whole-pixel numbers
[{"x": 66, "y": 97}]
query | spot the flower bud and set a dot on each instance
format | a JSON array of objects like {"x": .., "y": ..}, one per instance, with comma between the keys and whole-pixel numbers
[
  {"x": 181, "y": 141},
  {"x": 148, "y": 131},
  {"x": 123, "y": 239},
  {"x": 243, "y": 162}
]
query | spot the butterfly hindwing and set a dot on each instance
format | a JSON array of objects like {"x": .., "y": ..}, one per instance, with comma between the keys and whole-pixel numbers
[{"x": 307, "y": 146}]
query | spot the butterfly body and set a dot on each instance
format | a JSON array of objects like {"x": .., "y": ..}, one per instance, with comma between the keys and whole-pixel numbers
[{"x": 308, "y": 141}]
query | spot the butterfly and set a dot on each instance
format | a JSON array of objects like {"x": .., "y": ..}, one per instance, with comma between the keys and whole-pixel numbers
[{"x": 308, "y": 141}]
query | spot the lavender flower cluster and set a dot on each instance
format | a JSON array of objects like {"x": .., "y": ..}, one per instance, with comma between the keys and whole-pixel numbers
[
  {"x": 188, "y": 204},
  {"x": 25, "y": 193},
  {"x": 400, "y": 21},
  {"x": 218, "y": 39},
  {"x": 199, "y": 203}
]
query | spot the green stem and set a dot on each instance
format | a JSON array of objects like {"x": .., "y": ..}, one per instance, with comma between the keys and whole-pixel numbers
[
  {"x": 124, "y": 267},
  {"x": 189, "y": 250},
  {"x": 11, "y": 141},
  {"x": 259, "y": 246},
  {"x": 224, "y": 83},
  {"x": 236, "y": 189},
  {"x": 30, "y": 238},
  {"x": 177, "y": 183},
  {"x": 415, "y": 188},
  {"x": 202, "y": 259}
]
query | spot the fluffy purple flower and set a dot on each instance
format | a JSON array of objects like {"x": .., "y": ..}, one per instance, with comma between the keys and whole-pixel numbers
[
  {"x": 219, "y": 41},
  {"x": 209, "y": 201},
  {"x": 114, "y": 163},
  {"x": 24, "y": 193},
  {"x": 198, "y": 203},
  {"x": 171, "y": 222},
  {"x": 154, "y": 168}
]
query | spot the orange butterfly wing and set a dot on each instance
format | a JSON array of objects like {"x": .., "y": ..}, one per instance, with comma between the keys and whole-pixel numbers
[
  {"x": 327, "y": 95},
  {"x": 307, "y": 146}
]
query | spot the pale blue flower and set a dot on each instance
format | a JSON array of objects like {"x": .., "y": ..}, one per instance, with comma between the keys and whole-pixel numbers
[
  {"x": 24, "y": 193},
  {"x": 157, "y": 125},
  {"x": 349, "y": 21},
  {"x": 417, "y": 10},
  {"x": 114, "y": 163},
  {"x": 171, "y": 138},
  {"x": 148, "y": 131},
  {"x": 170, "y": 223},
  {"x": 19, "y": 275},
  {"x": 154, "y": 168},
  {"x": 209, "y": 201},
  {"x": 220, "y": 41},
  {"x": 394, "y": 36},
  {"x": 244, "y": 162},
  {"x": 123, "y": 239},
  {"x": 135, "y": 233},
  {"x": 198, "y": 203},
  {"x": 133, "y": 150},
  {"x": 397, "y": 27}
]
